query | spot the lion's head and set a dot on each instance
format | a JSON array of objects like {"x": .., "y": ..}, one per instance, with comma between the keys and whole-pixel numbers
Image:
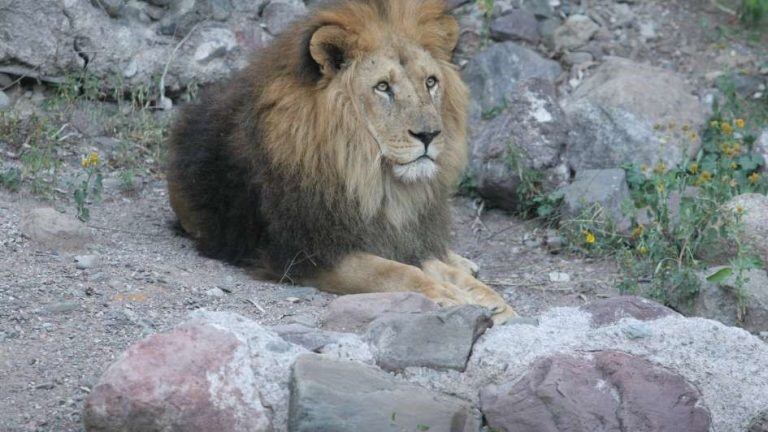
[{"x": 382, "y": 108}]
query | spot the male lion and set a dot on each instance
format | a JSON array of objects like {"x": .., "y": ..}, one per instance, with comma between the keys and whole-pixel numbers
[{"x": 330, "y": 159}]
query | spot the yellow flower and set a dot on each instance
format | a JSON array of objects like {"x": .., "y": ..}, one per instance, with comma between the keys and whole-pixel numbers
[
  {"x": 740, "y": 209},
  {"x": 733, "y": 183},
  {"x": 693, "y": 136},
  {"x": 726, "y": 128},
  {"x": 739, "y": 123},
  {"x": 686, "y": 128},
  {"x": 734, "y": 165},
  {"x": 589, "y": 238},
  {"x": 704, "y": 177},
  {"x": 90, "y": 160},
  {"x": 660, "y": 168},
  {"x": 644, "y": 168},
  {"x": 714, "y": 124},
  {"x": 693, "y": 168},
  {"x": 637, "y": 231},
  {"x": 754, "y": 178},
  {"x": 660, "y": 188},
  {"x": 643, "y": 250}
]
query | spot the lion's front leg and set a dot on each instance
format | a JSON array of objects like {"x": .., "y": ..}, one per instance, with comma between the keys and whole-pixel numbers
[
  {"x": 365, "y": 273},
  {"x": 480, "y": 293}
]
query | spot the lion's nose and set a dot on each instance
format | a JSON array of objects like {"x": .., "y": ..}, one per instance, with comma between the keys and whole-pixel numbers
[{"x": 425, "y": 137}]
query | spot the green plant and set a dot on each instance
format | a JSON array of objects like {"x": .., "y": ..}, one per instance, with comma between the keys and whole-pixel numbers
[
  {"x": 753, "y": 12},
  {"x": 89, "y": 187},
  {"x": 486, "y": 6},
  {"x": 11, "y": 179},
  {"x": 678, "y": 216},
  {"x": 127, "y": 180}
]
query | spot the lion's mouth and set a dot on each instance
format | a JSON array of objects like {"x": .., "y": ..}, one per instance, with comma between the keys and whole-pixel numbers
[
  {"x": 418, "y": 159},
  {"x": 421, "y": 168}
]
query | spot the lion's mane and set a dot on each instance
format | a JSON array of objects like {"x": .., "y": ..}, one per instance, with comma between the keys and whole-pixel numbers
[{"x": 276, "y": 166}]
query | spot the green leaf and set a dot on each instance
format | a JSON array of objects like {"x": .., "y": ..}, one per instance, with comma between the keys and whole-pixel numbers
[
  {"x": 720, "y": 275},
  {"x": 422, "y": 427}
]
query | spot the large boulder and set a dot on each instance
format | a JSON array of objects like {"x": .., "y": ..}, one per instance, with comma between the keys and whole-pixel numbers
[
  {"x": 597, "y": 191},
  {"x": 615, "y": 116},
  {"x": 521, "y": 147},
  {"x": 725, "y": 368},
  {"x": 332, "y": 395},
  {"x": 132, "y": 43},
  {"x": 216, "y": 372},
  {"x": 492, "y": 75}
]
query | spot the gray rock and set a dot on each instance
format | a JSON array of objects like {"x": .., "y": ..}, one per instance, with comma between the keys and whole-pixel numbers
[
  {"x": 600, "y": 192},
  {"x": 278, "y": 16},
  {"x": 542, "y": 9},
  {"x": 526, "y": 140},
  {"x": 112, "y": 7},
  {"x": 218, "y": 371},
  {"x": 547, "y": 30},
  {"x": 753, "y": 209},
  {"x": 759, "y": 423},
  {"x": 743, "y": 304},
  {"x": 613, "y": 114},
  {"x": 612, "y": 310},
  {"x": 5, "y": 101},
  {"x": 577, "y": 58},
  {"x": 60, "y": 308},
  {"x": 328, "y": 395},
  {"x": 217, "y": 42},
  {"x": 51, "y": 229},
  {"x": 492, "y": 75},
  {"x": 437, "y": 340},
  {"x": 607, "y": 390},
  {"x": 353, "y": 313},
  {"x": 517, "y": 25},
  {"x": 761, "y": 146},
  {"x": 575, "y": 32},
  {"x": 344, "y": 346},
  {"x": 83, "y": 262}
]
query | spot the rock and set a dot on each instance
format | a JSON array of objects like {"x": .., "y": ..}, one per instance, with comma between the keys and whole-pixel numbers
[
  {"x": 344, "y": 346},
  {"x": 83, "y": 262},
  {"x": 437, "y": 340},
  {"x": 599, "y": 192},
  {"x": 614, "y": 116},
  {"x": 759, "y": 423},
  {"x": 742, "y": 304},
  {"x": 575, "y": 32},
  {"x": 577, "y": 58},
  {"x": 547, "y": 30},
  {"x": 51, "y": 229},
  {"x": 215, "y": 292},
  {"x": 59, "y": 38},
  {"x": 278, "y": 16},
  {"x": 559, "y": 277},
  {"x": 217, "y": 43},
  {"x": 5, "y": 101},
  {"x": 523, "y": 144},
  {"x": 217, "y": 371},
  {"x": 353, "y": 313},
  {"x": 612, "y": 310},
  {"x": 754, "y": 221},
  {"x": 606, "y": 390},
  {"x": 541, "y": 9},
  {"x": 112, "y": 7},
  {"x": 339, "y": 396},
  {"x": 60, "y": 308},
  {"x": 517, "y": 25},
  {"x": 761, "y": 146},
  {"x": 728, "y": 365},
  {"x": 492, "y": 75}
]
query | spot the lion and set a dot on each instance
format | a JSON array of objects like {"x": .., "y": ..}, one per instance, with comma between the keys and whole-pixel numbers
[{"x": 330, "y": 159}]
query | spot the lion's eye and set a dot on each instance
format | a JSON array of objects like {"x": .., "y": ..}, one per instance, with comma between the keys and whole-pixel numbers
[
  {"x": 431, "y": 82},
  {"x": 383, "y": 87}
]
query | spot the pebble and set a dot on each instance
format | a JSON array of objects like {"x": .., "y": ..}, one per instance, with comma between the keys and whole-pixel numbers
[
  {"x": 83, "y": 262},
  {"x": 559, "y": 277},
  {"x": 215, "y": 292}
]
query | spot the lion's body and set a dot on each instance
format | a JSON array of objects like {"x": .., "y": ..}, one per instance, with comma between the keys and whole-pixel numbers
[{"x": 295, "y": 167}]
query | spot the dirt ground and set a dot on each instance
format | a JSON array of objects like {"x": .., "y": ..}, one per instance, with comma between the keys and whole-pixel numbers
[{"x": 60, "y": 327}]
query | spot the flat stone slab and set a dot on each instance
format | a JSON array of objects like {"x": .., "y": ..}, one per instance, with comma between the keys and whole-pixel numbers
[
  {"x": 612, "y": 310},
  {"x": 437, "y": 340},
  {"x": 339, "y": 396},
  {"x": 353, "y": 313}
]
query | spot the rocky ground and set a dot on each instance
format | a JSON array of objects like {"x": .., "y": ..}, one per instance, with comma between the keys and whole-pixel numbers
[{"x": 574, "y": 85}]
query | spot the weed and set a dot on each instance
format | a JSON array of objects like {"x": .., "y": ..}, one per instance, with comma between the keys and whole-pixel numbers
[
  {"x": 90, "y": 186},
  {"x": 662, "y": 255},
  {"x": 753, "y": 12}
]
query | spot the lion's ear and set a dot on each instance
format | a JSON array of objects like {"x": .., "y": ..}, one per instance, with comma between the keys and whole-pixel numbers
[
  {"x": 329, "y": 48},
  {"x": 440, "y": 36}
]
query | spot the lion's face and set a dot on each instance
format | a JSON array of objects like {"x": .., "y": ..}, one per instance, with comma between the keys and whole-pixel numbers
[{"x": 400, "y": 94}]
